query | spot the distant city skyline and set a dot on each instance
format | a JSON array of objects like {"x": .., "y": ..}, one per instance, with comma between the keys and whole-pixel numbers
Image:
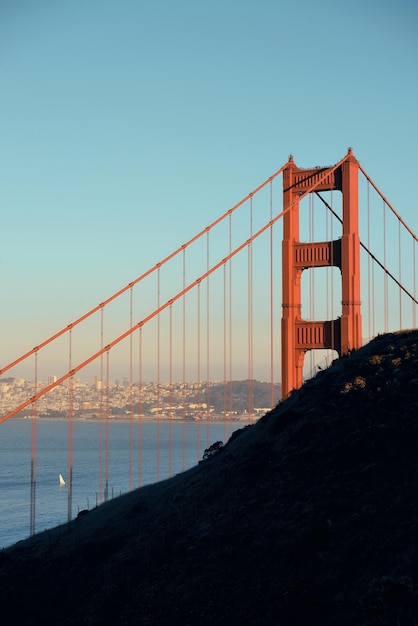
[{"x": 181, "y": 401}]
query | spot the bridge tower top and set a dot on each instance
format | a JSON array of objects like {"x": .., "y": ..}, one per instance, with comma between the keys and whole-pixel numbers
[{"x": 342, "y": 334}]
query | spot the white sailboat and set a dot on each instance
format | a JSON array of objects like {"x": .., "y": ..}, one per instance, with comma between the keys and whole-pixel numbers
[{"x": 62, "y": 481}]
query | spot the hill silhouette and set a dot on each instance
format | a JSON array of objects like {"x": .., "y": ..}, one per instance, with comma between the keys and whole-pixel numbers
[{"x": 308, "y": 517}]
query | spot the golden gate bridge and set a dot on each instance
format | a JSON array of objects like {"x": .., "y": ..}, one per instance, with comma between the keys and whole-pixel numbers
[{"x": 308, "y": 266}]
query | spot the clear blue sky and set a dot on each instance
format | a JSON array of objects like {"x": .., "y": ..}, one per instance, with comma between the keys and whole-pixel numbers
[{"x": 127, "y": 126}]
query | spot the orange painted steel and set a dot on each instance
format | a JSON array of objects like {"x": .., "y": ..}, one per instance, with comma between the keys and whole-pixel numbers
[
  {"x": 183, "y": 367},
  {"x": 298, "y": 335},
  {"x": 107, "y": 426},
  {"x": 272, "y": 313},
  {"x": 170, "y": 364},
  {"x": 140, "y": 407},
  {"x": 208, "y": 338},
  {"x": 34, "y": 416},
  {"x": 342, "y": 175},
  {"x": 131, "y": 392},
  {"x": 102, "y": 412},
  {"x": 198, "y": 370},
  {"x": 158, "y": 378},
  {"x": 70, "y": 431},
  {"x": 105, "y": 350}
]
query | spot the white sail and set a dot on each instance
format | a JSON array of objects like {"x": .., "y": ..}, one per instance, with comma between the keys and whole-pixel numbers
[{"x": 62, "y": 481}]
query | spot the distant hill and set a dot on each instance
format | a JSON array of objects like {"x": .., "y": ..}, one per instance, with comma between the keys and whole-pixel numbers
[
  {"x": 308, "y": 517},
  {"x": 236, "y": 394}
]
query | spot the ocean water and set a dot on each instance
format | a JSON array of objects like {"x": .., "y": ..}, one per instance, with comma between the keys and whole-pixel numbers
[{"x": 189, "y": 440}]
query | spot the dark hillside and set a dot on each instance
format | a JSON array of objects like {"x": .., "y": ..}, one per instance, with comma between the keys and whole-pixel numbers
[{"x": 308, "y": 517}]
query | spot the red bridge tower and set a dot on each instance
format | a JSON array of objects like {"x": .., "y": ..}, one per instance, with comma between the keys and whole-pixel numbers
[{"x": 344, "y": 333}]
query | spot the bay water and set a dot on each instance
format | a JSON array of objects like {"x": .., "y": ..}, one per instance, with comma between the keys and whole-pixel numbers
[{"x": 188, "y": 442}]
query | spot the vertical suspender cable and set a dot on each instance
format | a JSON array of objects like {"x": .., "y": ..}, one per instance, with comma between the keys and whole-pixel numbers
[
  {"x": 313, "y": 270},
  {"x": 312, "y": 281},
  {"x": 400, "y": 274},
  {"x": 332, "y": 278},
  {"x": 373, "y": 302},
  {"x": 33, "y": 452},
  {"x": 198, "y": 372},
  {"x": 329, "y": 271},
  {"x": 372, "y": 296},
  {"x": 369, "y": 334},
  {"x": 250, "y": 317},
  {"x": 414, "y": 306},
  {"x": 183, "y": 443},
  {"x": 140, "y": 409},
  {"x": 131, "y": 399},
  {"x": 170, "y": 450},
  {"x": 158, "y": 377},
  {"x": 272, "y": 398},
  {"x": 101, "y": 411},
  {"x": 207, "y": 341},
  {"x": 385, "y": 276},
  {"x": 330, "y": 274},
  {"x": 230, "y": 326},
  {"x": 70, "y": 429},
  {"x": 224, "y": 351},
  {"x": 107, "y": 418}
]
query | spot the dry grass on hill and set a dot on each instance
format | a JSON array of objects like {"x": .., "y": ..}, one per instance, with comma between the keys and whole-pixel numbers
[{"x": 308, "y": 517}]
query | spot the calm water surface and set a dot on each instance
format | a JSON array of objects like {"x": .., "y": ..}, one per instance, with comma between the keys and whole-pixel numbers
[{"x": 189, "y": 441}]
